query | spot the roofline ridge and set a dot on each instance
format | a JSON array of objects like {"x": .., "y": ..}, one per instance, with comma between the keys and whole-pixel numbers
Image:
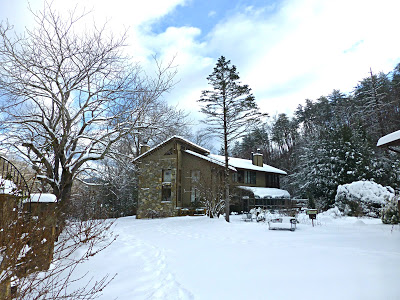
[{"x": 166, "y": 141}]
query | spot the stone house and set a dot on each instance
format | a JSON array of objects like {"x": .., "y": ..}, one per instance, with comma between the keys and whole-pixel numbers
[{"x": 171, "y": 174}]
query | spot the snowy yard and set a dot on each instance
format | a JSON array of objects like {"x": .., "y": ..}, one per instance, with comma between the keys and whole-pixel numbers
[{"x": 201, "y": 258}]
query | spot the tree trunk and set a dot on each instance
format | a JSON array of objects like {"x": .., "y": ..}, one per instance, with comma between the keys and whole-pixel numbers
[{"x": 226, "y": 173}]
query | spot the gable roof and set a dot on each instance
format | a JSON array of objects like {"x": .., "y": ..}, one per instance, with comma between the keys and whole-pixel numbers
[
  {"x": 234, "y": 163},
  {"x": 240, "y": 163},
  {"x": 175, "y": 137}
]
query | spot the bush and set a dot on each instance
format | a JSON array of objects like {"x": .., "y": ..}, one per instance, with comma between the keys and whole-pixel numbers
[
  {"x": 390, "y": 213},
  {"x": 362, "y": 198}
]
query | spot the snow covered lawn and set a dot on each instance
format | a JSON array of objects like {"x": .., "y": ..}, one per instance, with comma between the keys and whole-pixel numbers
[{"x": 201, "y": 258}]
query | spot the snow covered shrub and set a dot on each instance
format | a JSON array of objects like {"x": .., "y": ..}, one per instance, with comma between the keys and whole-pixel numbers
[
  {"x": 362, "y": 198},
  {"x": 390, "y": 212},
  {"x": 333, "y": 212}
]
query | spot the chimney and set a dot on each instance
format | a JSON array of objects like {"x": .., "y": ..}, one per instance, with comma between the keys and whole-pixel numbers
[
  {"x": 144, "y": 148},
  {"x": 257, "y": 158}
]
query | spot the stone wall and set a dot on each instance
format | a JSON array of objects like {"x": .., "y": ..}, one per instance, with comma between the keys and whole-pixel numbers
[{"x": 150, "y": 187}]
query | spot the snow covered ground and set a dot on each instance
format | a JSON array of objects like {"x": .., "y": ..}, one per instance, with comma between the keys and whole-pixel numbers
[{"x": 201, "y": 258}]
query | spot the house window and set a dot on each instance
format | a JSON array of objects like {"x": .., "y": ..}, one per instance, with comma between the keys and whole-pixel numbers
[
  {"x": 272, "y": 180},
  {"x": 166, "y": 185},
  {"x": 249, "y": 177},
  {"x": 166, "y": 193},
  {"x": 235, "y": 177},
  {"x": 166, "y": 175},
  {"x": 240, "y": 176},
  {"x": 195, "y": 176},
  {"x": 194, "y": 195}
]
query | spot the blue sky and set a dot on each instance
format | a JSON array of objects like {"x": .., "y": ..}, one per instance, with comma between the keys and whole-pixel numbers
[
  {"x": 205, "y": 14},
  {"x": 286, "y": 51}
]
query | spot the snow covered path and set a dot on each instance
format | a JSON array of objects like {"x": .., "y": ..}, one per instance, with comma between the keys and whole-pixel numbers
[{"x": 201, "y": 258}]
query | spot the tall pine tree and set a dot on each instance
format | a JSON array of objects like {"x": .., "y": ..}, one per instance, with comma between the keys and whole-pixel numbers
[{"x": 230, "y": 109}]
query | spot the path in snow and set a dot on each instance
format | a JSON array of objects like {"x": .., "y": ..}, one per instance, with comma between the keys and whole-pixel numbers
[{"x": 142, "y": 271}]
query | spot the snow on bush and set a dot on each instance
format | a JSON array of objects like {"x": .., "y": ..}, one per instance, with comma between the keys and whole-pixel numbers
[
  {"x": 332, "y": 212},
  {"x": 390, "y": 213},
  {"x": 362, "y": 198}
]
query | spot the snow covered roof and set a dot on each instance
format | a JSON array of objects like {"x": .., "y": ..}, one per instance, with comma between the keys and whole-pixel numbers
[
  {"x": 216, "y": 159},
  {"x": 240, "y": 163},
  {"x": 210, "y": 159},
  {"x": 391, "y": 139},
  {"x": 49, "y": 198},
  {"x": 263, "y": 192},
  {"x": 201, "y": 149}
]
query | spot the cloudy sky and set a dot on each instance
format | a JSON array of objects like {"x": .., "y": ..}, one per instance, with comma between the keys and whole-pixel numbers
[{"x": 286, "y": 51}]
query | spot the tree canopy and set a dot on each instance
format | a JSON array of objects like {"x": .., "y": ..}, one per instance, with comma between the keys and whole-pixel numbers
[{"x": 68, "y": 96}]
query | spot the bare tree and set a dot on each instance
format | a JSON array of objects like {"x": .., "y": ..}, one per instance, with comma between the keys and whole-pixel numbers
[
  {"x": 61, "y": 94},
  {"x": 67, "y": 97},
  {"x": 203, "y": 138},
  {"x": 160, "y": 122},
  {"x": 211, "y": 192},
  {"x": 37, "y": 260},
  {"x": 40, "y": 264}
]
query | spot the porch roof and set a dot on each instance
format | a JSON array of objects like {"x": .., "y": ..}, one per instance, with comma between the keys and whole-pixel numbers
[{"x": 266, "y": 193}]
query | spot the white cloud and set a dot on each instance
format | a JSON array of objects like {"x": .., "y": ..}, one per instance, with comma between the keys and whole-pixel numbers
[
  {"x": 308, "y": 48},
  {"x": 286, "y": 52},
  {"x": 212, "y": 13}
]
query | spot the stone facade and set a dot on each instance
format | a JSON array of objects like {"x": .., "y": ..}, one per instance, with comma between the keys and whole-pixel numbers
[
  {"x": 167, "y": 157},
  {"x": 151, "y": 184},
  {"x": 188, "y": 167}
]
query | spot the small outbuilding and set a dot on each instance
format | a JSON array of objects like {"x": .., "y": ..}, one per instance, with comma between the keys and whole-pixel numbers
[{"x": 389, "y": 141}]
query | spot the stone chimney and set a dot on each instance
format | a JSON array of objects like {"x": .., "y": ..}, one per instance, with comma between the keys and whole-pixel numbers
[
  {"x": 144, "y": 148},
  {"x": 257, "y": 158}
]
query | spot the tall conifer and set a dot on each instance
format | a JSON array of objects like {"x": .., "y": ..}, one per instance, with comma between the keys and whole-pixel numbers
[{"x": 230, "y": 110}]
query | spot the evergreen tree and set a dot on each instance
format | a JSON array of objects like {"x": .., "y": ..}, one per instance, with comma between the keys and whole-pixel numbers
[
  {"x": 374, "y": 103},
  {"x": 230, "y": 109},
  {"x": 341, "y": 156},
  {"x": 390, "y": 212},
  {"x": 259, "y": 138}
]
